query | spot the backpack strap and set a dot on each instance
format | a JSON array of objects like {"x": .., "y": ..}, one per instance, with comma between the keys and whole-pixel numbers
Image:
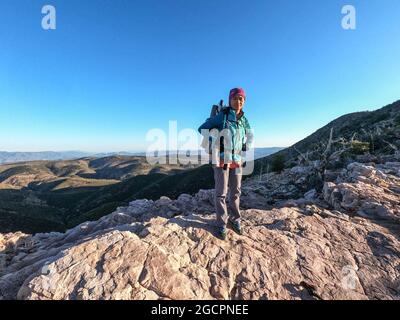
[{"x": 226, "y": 112}]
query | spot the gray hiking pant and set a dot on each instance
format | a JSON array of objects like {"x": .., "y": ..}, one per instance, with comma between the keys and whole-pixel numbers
[{"x": 227, "y": 179}]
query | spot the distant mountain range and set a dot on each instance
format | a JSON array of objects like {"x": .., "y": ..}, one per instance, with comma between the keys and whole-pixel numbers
[{"x": 12, "y": 157}]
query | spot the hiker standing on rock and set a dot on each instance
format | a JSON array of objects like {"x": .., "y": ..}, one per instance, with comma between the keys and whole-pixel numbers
[{"x": 235, "y": 137}]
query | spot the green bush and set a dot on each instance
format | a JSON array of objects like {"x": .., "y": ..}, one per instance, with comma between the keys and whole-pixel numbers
[
  {"x": 278, "y": 163},
  {"x": 360, "y": 147},
  {"x": 397, "y": 120}
]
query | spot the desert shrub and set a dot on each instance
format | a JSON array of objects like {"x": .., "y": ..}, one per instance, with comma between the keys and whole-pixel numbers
[
  {"x": 359, "y": 147},
  {"x": 397, "y": 120},
  {"x": 278, "y": 163}
]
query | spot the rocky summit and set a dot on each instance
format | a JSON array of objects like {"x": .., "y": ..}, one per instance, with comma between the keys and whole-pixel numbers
[{"x": 340, "y": 243}]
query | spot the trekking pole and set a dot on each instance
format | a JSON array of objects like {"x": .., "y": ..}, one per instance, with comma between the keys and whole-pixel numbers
[{"x": 216, "y": 108}]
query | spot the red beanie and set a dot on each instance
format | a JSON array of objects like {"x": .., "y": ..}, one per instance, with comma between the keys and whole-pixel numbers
[{"x": 236, "y": 91}]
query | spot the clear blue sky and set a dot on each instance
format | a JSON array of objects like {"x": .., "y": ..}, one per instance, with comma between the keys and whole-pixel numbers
[{"x": 112, "y": 70}]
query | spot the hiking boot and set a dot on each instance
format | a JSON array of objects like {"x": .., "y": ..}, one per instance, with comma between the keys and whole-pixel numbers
[
  {"x": 221, "y": 233},
  {"x": 236, "y": 226}
]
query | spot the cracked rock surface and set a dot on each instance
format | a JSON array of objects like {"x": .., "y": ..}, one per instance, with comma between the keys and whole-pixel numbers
[{"x": 342, "y": 244}]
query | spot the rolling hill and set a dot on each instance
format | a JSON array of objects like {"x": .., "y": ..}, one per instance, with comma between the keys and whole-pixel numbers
[
  {"x": 379, "y": 130},
  {"x": 53, "y": 195}
]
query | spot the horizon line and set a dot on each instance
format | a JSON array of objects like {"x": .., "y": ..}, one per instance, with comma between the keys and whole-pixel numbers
[{"x": 121, "y": 151}]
